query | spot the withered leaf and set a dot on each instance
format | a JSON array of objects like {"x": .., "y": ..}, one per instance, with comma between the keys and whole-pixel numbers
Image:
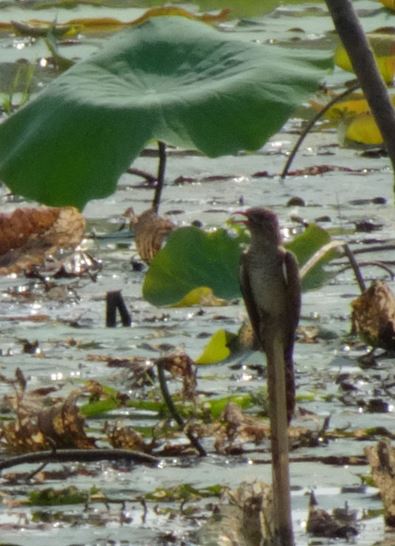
[
  {"x": 237, "y": 428},
  {"x": 340, "y": 524},
  {"x": 63, "y": 426},
  {"x": 29, "y": 235},
  {"x": 382, "y": 461},
  {"x": 38, "y": 426},
  {"x": 180, "y": 365},
  {"x": 373, "y": 315},
  {"x": 125, "y": 438}
]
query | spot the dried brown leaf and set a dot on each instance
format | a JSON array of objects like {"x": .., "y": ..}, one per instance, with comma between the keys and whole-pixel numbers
[
  {"x": 244, "y": 516},
  {"x": 29, "y": 235},
  {"x": 180, "y": 365},
  {"x": 42, "y": 424},
  {"x": 340, "y": 524},
  {"x": 125, "y": 438},
  {"x": 237, "y": 428},
  {"x": 373, "y": 315},
  {"x": 381, "y": 458}
]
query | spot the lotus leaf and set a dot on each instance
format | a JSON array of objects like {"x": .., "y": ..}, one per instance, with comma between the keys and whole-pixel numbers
[{"x": 170, "y": 79}]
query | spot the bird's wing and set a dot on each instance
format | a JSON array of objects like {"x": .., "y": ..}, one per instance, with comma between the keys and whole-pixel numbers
[{"x": 246, "y": 291}]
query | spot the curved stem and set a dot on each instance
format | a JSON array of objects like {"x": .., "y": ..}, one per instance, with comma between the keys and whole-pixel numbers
[
  {"x": 354, "y": 264},
  {"x": 311, "y": 124},
  {"x": 161, "y": 175},
  {"x": 174, "y": 413}
]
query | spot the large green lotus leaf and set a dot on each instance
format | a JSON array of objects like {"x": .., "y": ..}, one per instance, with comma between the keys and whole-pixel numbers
[
  {"x": 170, "y": 79},
  {"x": 193, "y": 258}
]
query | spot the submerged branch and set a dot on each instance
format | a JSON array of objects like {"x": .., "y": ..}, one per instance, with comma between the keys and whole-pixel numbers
[{"x": 79, "y": 455}]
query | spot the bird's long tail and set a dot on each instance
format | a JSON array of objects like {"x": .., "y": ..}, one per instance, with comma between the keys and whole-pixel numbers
[{"x": 289, "y": 384}]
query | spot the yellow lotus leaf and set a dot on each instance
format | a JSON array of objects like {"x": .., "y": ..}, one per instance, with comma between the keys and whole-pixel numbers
[
  {"x": 217, "y": 348},
  {"x": 39, "y": 27},
  {"x": 346, "y": 108},
  {"x": 390, "y": 4},
  {"x": 357, "y": 104},
  {"x": 203, "y": 295},
  {"x": 383, "y": 46},
  {"x": 363, "y": 129}
]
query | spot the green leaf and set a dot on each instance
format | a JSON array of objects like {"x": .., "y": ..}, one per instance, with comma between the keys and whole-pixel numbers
[
  {"x": 217, "y": 407},
  {"x": 192, "y": 258},
  {"x": 56, "y": 497},
  {"x": 98, "y": 407},
  {"x": 304, "y": 246},
  {"x": 183, "y": 492},
  {"x": 171, "y": 79}
]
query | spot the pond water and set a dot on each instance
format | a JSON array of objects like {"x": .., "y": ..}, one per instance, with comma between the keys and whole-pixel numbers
[{"x": 73, "y": 336}]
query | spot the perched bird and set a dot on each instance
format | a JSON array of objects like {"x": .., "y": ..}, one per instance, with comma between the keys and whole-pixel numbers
[
  {"x": 270, "y": 284},
  {"x": 150, "y": 231}
]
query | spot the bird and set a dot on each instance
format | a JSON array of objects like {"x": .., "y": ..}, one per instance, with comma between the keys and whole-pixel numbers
[
  {"x": 270, "y": 286},
  {"x": 150, "y": 231}
]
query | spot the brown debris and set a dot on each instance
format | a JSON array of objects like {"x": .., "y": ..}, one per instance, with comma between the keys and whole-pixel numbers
[
  {"x": 29, "y": 235},
  {"x": 243, "y": 517},
  {"x": 42, "y": 423},
  {"x": 125, "y": 438},
  {"x": 150, "y": 231},
  {"x": 180, "y": 365},
  {"x": 340, "y": 524},
  {"x": 237, "y": 428},
  {"x": 373, "y": 316},
  {"x": 381, "y": 458}
]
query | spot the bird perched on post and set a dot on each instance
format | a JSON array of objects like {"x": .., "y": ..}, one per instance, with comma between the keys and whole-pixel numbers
[{"x": 270, "y": 284}]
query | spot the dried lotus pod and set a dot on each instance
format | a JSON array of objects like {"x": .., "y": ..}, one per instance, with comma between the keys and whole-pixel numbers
[
  {"x": 373, "y": 316},
  {"x": 29, "y": 235},
  {"x": 150, "y": 230}
]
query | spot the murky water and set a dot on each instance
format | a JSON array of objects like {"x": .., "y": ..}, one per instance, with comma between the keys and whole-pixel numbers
[{"x": 79, "y": 314}]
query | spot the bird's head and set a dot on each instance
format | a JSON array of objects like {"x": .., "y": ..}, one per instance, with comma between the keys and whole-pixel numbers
[{"x": 262, "y": 223}]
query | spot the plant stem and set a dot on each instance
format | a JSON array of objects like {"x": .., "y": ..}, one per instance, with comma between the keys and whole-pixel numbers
[
  {"x": 174, "y": 413},
  {"x": 354, "y": 264},
  {"x": 161, "y": 175},
  {"x": 114, "y": 302},
  {"x": 311, "y": 124},
  {"x": 362, "y": 59}
]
